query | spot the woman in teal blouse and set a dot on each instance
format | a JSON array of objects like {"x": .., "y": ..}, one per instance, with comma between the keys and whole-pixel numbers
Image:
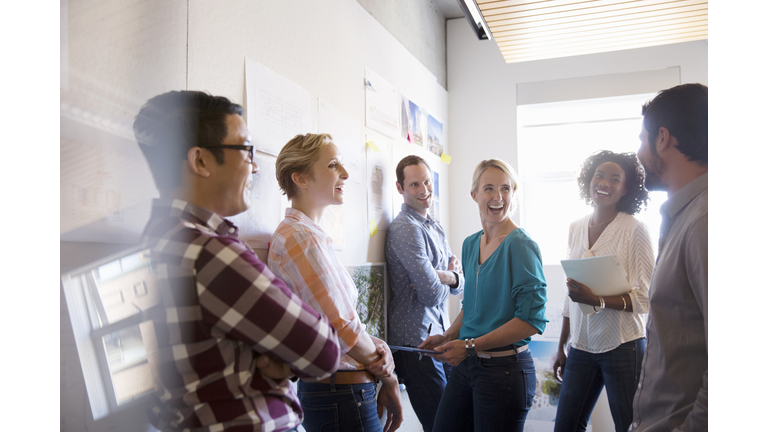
[{"x": 493, "y": 381}]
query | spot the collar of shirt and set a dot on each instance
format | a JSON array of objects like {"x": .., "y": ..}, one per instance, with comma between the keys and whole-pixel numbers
[
  {"x": 427, "y": 221},
  {"x": 187, "y": 211},
  {"x": 299, "y": 216},
  {"x": 686, "y": 194}
]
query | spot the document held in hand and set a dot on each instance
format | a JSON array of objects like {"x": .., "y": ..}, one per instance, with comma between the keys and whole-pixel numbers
[{"x": 604, "y": 275}]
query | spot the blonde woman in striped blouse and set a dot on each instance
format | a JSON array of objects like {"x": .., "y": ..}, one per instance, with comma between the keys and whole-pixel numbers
[{"x": 606, "y": 347}]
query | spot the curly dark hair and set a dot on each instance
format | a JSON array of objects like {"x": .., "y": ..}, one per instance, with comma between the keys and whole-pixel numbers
[{"x": 636, "y": 197}]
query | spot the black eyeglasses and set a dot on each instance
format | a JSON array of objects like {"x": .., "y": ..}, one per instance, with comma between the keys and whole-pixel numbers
[{"x": 248, "y": 148}]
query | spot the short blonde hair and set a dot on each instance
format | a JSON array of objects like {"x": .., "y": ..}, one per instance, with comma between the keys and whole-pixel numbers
[
  {"x": 297, "y": 156},
  {"x": 506, "y": 169}
]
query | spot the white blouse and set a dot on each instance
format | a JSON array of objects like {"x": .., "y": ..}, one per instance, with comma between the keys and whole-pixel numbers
[{"x": 628, "y": 239}]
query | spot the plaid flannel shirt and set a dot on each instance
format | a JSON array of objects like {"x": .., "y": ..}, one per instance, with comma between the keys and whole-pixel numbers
[
  {"x": 302, "y": 255},
  {"x": 221, "y": 308}
]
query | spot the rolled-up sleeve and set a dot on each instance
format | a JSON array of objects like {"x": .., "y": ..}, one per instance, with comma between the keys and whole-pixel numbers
[
  {"x": 242, "y": 298},
  {"x": 529, "y": 288}
]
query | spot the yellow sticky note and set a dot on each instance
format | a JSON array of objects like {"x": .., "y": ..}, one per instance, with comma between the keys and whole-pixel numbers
[
  {"x": 373, "y": 227},
  {"x": 445, "y": 158},
  {"x": 373, "y": 147}
]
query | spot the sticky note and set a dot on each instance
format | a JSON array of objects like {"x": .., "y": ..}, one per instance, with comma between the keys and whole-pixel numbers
[
  {"x": 445, "y": 158},
  {"x": 410, "y": 136},
  {"x": 372, "y": 145},
  {"x": 373, "y": 227}
]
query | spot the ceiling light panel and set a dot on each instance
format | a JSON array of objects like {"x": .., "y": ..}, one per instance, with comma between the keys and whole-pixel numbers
[{"x": 528, "y": 30}]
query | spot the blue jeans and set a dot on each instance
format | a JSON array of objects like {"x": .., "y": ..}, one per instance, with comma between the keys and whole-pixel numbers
[
  {"x": 339, "y": 407},
  {"x": 488, "y": 395},
  {"x": 424, "y": 381},
  {"x": 583, "y": 380}
]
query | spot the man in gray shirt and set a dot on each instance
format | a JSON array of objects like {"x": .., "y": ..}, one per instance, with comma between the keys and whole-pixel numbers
[
  {"x": 422, "y": 274},
  {"x": 672, "y": 393}
]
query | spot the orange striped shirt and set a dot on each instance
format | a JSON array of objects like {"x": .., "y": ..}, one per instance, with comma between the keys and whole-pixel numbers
[{"x": 302, "y": 255}]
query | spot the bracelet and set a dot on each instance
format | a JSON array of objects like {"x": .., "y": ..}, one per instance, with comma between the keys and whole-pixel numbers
[
  {"x": 625, "y": 303},
  {"x": 602, "y": 304}
]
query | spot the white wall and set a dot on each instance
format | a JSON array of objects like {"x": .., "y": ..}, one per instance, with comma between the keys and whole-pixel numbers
[{"x": 482, "y": 113}]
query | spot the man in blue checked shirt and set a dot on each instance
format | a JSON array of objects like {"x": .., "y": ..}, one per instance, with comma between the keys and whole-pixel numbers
[{"x": 422, "y": 273}]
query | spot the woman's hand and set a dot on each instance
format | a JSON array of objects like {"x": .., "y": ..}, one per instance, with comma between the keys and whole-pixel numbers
[
  {"x": 559, "y": 366},
  {"x": 273, "y": 367},
  {"x": 452, "y": 352},
  {"x": 384, "y": 366},
  {"x": 581, "y": 293},
  {"x": 389, "y": 398}
]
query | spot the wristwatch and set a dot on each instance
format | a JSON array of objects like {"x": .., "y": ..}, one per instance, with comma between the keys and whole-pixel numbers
[{"x": 469, "y": 344}]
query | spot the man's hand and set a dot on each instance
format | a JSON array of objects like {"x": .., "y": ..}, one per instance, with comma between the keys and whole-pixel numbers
[
  {"x": 385, "y": 366},
  {"x": 273, "y": 368},
  {"x": 389, "y": 398},
  {"x": 455, "y": 265}
]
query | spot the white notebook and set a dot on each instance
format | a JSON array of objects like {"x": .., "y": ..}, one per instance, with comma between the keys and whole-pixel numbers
[{"x": 604, "y": 275}]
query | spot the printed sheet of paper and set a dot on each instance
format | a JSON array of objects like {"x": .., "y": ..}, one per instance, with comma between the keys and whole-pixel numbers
[
  {"x": 380, "y": 182},
  {"x": 346, "y": 134},
  {"x": 259, "y": 222},
  {"x": 277, "y": 108},
  {"x": 382, "y": 104}
]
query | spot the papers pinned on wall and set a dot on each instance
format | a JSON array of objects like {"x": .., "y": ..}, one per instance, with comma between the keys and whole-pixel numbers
[
  {"x": 277, "y": 108},
  {"x": 346, "y": 135},
  {"x": 381, "y": 104}
]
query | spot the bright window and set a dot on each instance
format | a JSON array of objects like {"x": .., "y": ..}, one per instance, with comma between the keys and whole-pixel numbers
[
  {"x": 107, "y": 302},
  {"x": 553, "y": 141}
]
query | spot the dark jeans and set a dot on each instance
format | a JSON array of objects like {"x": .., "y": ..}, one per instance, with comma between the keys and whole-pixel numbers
[
  {"x": 583, "y": 380},
  {"x": 487, "y": 395},
  {"x": 339, "y": 407},
  {"x": 424, "y": 381}
]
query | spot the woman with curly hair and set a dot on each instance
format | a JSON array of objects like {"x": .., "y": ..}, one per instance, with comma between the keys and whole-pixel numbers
[{"x": 606, "y": 347}]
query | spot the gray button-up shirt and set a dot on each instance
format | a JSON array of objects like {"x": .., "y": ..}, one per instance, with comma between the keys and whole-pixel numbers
[
  {"x": 415, "y": 248},
  {"x": 672, "y": 393}
]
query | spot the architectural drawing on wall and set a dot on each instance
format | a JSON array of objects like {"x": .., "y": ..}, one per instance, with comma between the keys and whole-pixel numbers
[
  {"x": 416, "y": 126},
  {"x": 346, "y": 135},
  {"x": 105, "y": 184},
  {"x": 380, "y": 183},
  {"x": 332, "y": 222},
  {"x": 434, "y": 135},
  {"x": 541, "y": 417},
  {"x": 381, "y": 104},
  {"x": 257, "y": 224},
  {"x": 277, "y": 108},
  {"x": 371, "y": 282},
  {"x": 405, "y": 117}
]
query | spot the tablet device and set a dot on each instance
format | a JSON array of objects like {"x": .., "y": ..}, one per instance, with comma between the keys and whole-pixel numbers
[{"x": 412, "y": 349}]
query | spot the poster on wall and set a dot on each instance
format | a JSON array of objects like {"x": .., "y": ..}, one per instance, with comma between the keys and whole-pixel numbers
[
  {"x": 541, "y": 417},
  {"x": 434, "y": 135},
  {"x": 346, "y": 134},
  {"x": 416, "y": 126},
  {"x": 371, "y": 282},
  {"x": 257, "y": 224},
  {"x": 380, "y": 181},
  {"x": 277, "y": 109},
  {"x": 381, "y": 104}
]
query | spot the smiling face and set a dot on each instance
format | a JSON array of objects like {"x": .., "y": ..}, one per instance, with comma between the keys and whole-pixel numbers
[
  {"x": 494, "y": 196},
  {"x": 417, "y": 188},
  {"x": 234, "y": 178},
  {"x": 325, "y": 182},
  {"x": 609, "y": 184}
]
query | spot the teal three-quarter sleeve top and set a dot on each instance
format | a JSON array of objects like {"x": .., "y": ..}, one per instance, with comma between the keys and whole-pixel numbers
[{"x": 509, "y": 284}]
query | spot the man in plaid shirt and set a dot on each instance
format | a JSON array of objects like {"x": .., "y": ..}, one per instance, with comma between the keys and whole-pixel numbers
[{"x": 229, "y": 333}]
